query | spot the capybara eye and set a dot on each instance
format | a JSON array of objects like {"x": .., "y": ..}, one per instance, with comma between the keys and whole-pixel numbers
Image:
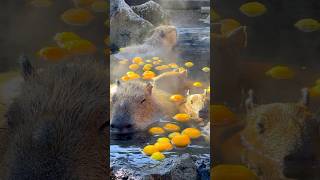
[
  {"x": 191, "y": 102},
  {"x": 128, "y": 126},
  {"x": 143, "y": 101}
]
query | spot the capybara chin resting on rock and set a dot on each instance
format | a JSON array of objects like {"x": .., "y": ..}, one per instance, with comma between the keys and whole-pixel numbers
[
  {"x": 57, "y": 125},
  {"x": 136, "y": 105}
]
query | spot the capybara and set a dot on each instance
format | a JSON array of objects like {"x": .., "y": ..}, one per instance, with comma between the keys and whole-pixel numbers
[
  {"x": 227, "y": 70},
  {"x": 282, "y": 141},
  {"x": 160, "y": 43},
  {"x": 135, "y": 105},
  {"x": 197, "y": 106},
  {"x": 58, "y": 124},
  {"x": 177, "y": 82},
  {"x": 173, "y": 82}
]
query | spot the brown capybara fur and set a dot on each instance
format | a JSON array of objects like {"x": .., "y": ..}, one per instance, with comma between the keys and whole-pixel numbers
[
  {"x": 197, "y": 106},
  {"x": 57, "y": 125},
  {"x": 135, "y": 105},
  {"x": 172, "y": 82},
  {"x": 282, "y": 141},
  {"x": 227, "y": 70},
  {"x": 277, "y": 141},
  {"x": 177, "y": 82}
]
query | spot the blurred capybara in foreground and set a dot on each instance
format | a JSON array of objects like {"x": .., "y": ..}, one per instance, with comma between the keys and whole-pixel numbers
[
  {"x": 58, "y": 124},
  {"x": 282, "y": 141},
  {"x": 136, "y": 105}
]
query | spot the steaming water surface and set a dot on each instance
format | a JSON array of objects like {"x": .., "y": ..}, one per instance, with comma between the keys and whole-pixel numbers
[{"x": 193, "y": 45}]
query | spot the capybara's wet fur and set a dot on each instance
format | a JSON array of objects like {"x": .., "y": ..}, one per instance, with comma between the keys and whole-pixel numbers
[
  {"x": 58, "y": 124},
  {"x": 172, "y": 82},
  {"x": 135, "y": 105},
  {"x": 197, "y": 106},
  {"x": 278, "y": 141},
  {"x": 286, "y": 137}
]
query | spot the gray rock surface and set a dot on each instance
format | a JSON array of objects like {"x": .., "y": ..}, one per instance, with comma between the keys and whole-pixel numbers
[
  {"x": 126, "y": 26},
  {"x": 183, "y": 167},
  {"x": 152, "y": 12}
]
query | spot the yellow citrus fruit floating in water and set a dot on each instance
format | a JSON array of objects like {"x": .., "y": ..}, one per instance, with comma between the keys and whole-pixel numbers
[
  {"x": 63, "y": 37},
  {"x": 280, "y": 72},
  {"x": 150, "y": 149},
  {"x": 156, "y": 131},
  {"x": 197, "y": 84},
  {"x": 155, "y": 58},
  {"x": 148, "y": 61},
  {"x": 163, "y": 139},
  {"x": 229, "y": 172},
  {"x": 41, "y": 3},
  {"x": 133, "y": 76},
  {"x": 80, "y": 47},
  {"x": 163, "y": 146},
  {"x": 137, "y": 60},
  {"x": 171, "y": 127},
  {"x": 177, "y": 98},
  {"x": 173, "y": 65},
  {"x": 193, "y": 133},
  {"x": 228, "y": 26},
  {"x": 315, "y": 91},
  {"x": 53, "y": 53},
  {"x": 205, "y": 69},
  {"x": 147, "y": 67},
  {"x": 221, "y": 114},
  {"x": 253, "y": 9},
  {"x": 134, "y": 67},
  {"x": 77, "y": 16},
  {"x": 181, "y": 140},
  {"x": 162, "y": 67},
  {"x": 124, "y": 61},
  {"x": 189, "y": 64},
  {"x": 125, "y": 78},
  {"x": 307, "y": 25},
  {"x": 182, "y": 117},
  {"x": 171, "y": 135},
  {"x": 83, "y": 2},
  {"x": 99, "y": 6},
  {"x": 148, "y": 75},
  {"x": 158, "y": 156}
]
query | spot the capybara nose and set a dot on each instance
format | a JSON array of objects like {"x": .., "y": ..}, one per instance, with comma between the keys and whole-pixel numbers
[
  {"x": 203, "y": 113},
  {"x": 122, "y": 128}
]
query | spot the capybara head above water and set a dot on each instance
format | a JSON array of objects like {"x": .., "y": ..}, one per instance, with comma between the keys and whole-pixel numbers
[
  {"x": 57, "y": 125},
  {"x": 135, "y": 105},
  {"x": 288, "y": 136}
]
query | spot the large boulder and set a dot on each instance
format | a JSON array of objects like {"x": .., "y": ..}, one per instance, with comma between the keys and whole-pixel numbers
[
  {"x": 152, "y": 12},
  {"x": 126, "y": 26}
]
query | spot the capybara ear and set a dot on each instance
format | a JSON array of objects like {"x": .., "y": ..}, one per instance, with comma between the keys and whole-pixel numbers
[
  {"x": 118, "y": 82},
  {"x": 149, "y": 88},
  {"x": 26, "y": 67},
  {"x": 188, "y": 92},
  {"x": 305, "y": 96},
  {"x": 184, "y": 73},
  {"x": 238, "y": 37}
]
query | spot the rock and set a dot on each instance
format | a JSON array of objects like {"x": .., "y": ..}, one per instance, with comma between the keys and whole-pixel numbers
[
  {"x": 174, "y": 168},
  {"x": 126, "y": 26},
  {"x": 135, "y": 2},
  {"x": 152, "y": 12},
  {"x": 178, "y": 168}
]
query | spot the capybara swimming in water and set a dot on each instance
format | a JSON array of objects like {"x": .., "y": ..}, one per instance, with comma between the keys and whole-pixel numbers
[
  {"x": 58, "y": 124},
  {"x": 135, "y": 105}
]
